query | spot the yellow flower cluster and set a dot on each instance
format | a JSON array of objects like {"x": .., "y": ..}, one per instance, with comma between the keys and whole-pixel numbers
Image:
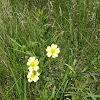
[
  {"x": 52, "y": 51},
  {"x": 33, "y": 69}
]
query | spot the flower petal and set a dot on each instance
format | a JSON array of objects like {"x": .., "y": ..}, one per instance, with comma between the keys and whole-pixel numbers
[
  {"x": 35, "y": 79},
  {"x": 48, "y": 48},
  {"x": 57, "y": 50},
  {"x": 36, "y": 68},
  {"x": 29, "y": 80},
  {"x": 53, "y": 46},
  {"x": 32, "y": 59},
  {"x": 28, "y": 63},
  {"x": 55, "y": 55},
  {"x": 37, "y": 74},
  {"x": 36, "y": 62},
  {"x": 30, "y": 68},
  {"x": 49, "y": 54},
  {"x": 29, "y": 74}
]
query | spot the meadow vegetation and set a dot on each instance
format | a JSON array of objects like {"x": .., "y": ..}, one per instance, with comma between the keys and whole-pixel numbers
[{"x": 27, "y": 27}]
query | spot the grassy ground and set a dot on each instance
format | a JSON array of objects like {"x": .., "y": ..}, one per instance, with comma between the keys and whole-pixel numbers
[{"x": 27, "y": 27}]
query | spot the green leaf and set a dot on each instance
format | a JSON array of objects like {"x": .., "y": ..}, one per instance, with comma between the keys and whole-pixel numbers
[
  {"x": 91, "y": 95},
  {"x": 29, "y": 53},
  {"x": 53, "y": 93},
  {"x": 74, "y": 62}
]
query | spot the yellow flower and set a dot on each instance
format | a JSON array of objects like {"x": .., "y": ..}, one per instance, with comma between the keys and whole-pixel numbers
[
  {"x": 52, "y": 51},
  {"x": 33, "y": 63},
  {"x": 33, "y": 76}
]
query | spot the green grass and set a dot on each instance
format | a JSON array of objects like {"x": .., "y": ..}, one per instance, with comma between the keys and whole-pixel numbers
[{"x": 27, "y": 27}]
